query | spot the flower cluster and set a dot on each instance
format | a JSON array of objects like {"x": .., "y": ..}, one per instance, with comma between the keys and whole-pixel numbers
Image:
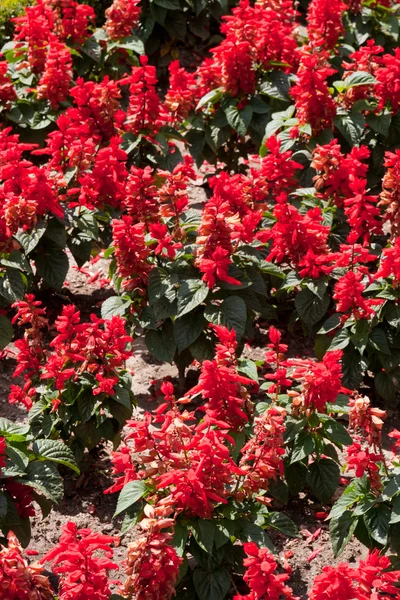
[
  {"x": 83, "y": 571},
  {"x": 18, "y": 579}
]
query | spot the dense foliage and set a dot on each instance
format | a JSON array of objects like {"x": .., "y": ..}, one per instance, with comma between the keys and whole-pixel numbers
[{"x": 291, "y": 124}]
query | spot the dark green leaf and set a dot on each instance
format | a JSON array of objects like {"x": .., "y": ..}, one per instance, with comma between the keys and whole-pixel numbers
[
  {"x": 211, "y": 585},
  {"x": 6, "y": 331},
  {"x": 377, "y": 523},
  {"x": 311, "y": 309},
  {"x": 323, "y": 478},
  {"x": 341, "y": 530},
  {"x": 303, "y": 445},
  {"x": 187, "y": 329},
  {"x": 282, "y": 523},
  {"x": 44, "y": 477},
  {"x": 56, "y": 451},
  {"x": 191, "y": 293},
  {"x": 53, "y": 266},
  {"x": 204, "y": 534}
]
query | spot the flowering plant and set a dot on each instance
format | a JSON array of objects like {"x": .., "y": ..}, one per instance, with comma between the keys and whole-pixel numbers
[
  {"x": 205, "y": 482},
  {"x": 28, "y": 474},
  {"x": 78, "y": 390}
]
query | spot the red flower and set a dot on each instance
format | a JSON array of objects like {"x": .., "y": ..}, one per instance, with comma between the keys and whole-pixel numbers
[
  {"x": 2, "y": 453},
  {"x": 18, "y": 579},
  {"x": 35, "y": 27},
  {"x": 262, "y": 455},
  {"x": 7, "y": 91},
  {"x": 145, "y": 114},
  {"x": 260, "y": 575},
  {"x": 362, "y": 212},
  {"x": 83, "y": 571},
  {"x": 324, "y": 22},
  {"x": 216, "y": 267},
  {"x": 335, "y": 583},
  {"x": 314, "y": 103},
  {"x": 131, "y": 251},
  {"x": 57, "y": 74},
  {"x": 321, "y": 381},
  {"x": 389, "y": 266},
  {"x": 159, "y": 231},
  {"x": 121, "y": 18},
  {"x": 152, "y": 564},
  {"x": 390, "y": 195},
  {"x": 182, "y": 93},
  {"x": 364, "y": 461},
  {"x": 388, "y": 89},
  {"x": 348, "y": 294}
]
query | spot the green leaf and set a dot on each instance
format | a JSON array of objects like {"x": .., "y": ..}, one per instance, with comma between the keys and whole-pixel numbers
[
  {"x": 6, "y": 331},
  {"x": 211, "y": 97},
  {"x": 181, "y": 534},
  {"x": 161, "y": 343},
  {"x": 310, "y": 308},
  {"x": 249, "y": 368},
  {"x": 380, "y": 123},
  {"x": 250, "y": 532},
  {"x": 356, "y": 490},
  {"x": 359, "y": 78},
  {"x": 340, "y": 340},
  {"x": 304, "y": 444},
  {"x": 29, "y": 241},
  {"x": 204, "y": 534},
  {"x": 282, "y": 523},
  {"x": 341, "y": 530},
  {"x": 225, "y": 529},
  {"x": 130, "y": 493},
  {"x": 3, "y": 506},
  {"x": 377, "y": 523},
  {"x": 378, "y": 340},
  {"x": 44, "y": 477},
  {"x": 12, "y": 286},
  {"x": 19, "y": 458},
  {"x": 395, "y": 516},
  {"x": 295, "y": 475},
  {"x": 239, "y": 120},
  {"x": 336, "y": 432},
  {"x": 278, "y": 87},
  {"x": 211, "y": 585},
  {"x": 386, "y": 386},
  {"x": 187, "y": 329},
  {"x": 191, "y": 293},
  {"x": 351, "y": 126},
  {"x": 234, "y": 314},
  {"x": 53, "y": 267},
  {"x": 92, "y": 48},
  {"x": 123, "y": 396},
  {"x": 323, "y": 478},
  {"x": 159, "y": 284},
  {"x": 114, "y": 306},
  {"x": 13, "y": 431},
  {"x": 57, "y": 452}
]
